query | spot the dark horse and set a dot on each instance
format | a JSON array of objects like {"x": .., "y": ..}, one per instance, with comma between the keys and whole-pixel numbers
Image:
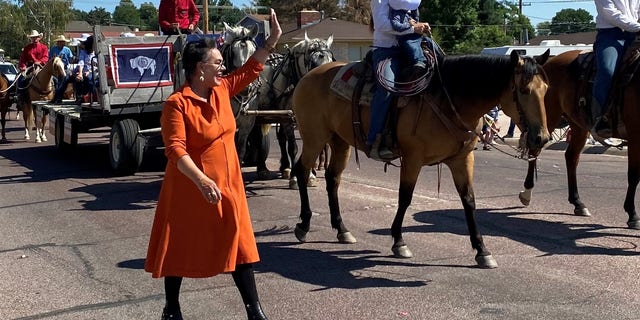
[
  {"x": 436, "y": 126},
  {"x": 5, "y": 103},
  {"x": 562, "y": 100}
]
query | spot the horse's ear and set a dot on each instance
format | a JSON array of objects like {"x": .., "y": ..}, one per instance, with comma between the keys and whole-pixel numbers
[
  {"x": 254, "y": 31},
  {"x": 226, "y": 26},
  {"x": 542, "y": 59},
  {"x": 515, "y": 57},
  {"x": 329, "y": 41},
  {"x": 306, "y": 37}
]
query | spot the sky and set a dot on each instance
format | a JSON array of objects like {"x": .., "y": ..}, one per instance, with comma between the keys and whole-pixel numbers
[{"x": 537, "y": 10}]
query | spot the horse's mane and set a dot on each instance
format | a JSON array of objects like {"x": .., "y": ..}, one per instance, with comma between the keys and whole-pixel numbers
[
  {"x": 308, "y": 45},
  {"x": 476, "y": 76},
  {"x": 236, "y": 32}
]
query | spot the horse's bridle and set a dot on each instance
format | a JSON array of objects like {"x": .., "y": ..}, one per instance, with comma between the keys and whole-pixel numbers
[{"x": 227, "y": 52}]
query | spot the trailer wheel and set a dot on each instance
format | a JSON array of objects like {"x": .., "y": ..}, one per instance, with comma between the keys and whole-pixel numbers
[
  {"x": 126, "y": 147},
  {"x": 59, "y": 136}
]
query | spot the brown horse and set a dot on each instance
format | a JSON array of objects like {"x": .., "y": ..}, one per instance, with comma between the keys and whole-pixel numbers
[
  {"x": 5, "y": 103},
  {"x": 39, "y": 87},
  {"x": 562, "y": 100},
  {"x": 465, "y": 88}
]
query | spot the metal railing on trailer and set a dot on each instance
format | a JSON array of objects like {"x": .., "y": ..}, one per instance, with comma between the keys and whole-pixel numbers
[{"x": 135, "y": 76}]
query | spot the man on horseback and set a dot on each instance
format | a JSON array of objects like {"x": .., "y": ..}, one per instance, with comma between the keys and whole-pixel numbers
[
  {"x": 617, "y": 25},
  {"x": 385, "y": 45},
  {"x": 35, "y": 54}
]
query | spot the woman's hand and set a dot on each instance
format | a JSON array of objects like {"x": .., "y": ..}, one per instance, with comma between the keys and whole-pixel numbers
[
  {"x": 209, "y": 189},
  {"x": 276, "y": 31}
]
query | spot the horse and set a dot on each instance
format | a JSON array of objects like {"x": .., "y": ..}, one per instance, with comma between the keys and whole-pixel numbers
[
  {"x": 438, "y": 125},
  {"x": 562, "y": 102},
  {"x": 239, "y": 44},
  {"x": 5, "y": 103},
  {"x": 39, "y": 87},
  {"x": 278, "y": 80}
]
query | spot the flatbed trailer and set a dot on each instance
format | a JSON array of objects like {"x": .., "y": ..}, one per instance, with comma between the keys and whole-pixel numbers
[{"x": 136, "y": 75}]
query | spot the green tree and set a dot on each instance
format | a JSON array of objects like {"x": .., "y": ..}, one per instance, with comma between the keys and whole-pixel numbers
[
  {"x": 79, "y": 15},
  {"x": 226, "y": 12},
  {"x": 99, "y": 16},
  {"x": 356, "y": 11},
  {"x": 571, "y": 21},
  {"x": 126, "y": 14},
  {"x": 483, "y": 37},
  {"x": 149, "y": 16},
  {"x": 452, "y": 22},
  {"x": 543, "y": 28},
  {"x": 47, "y": 16},
  {"x": 13, "y": 25}
]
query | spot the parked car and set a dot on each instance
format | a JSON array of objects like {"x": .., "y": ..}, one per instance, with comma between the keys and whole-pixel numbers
[{"x": 9, "y": 70}]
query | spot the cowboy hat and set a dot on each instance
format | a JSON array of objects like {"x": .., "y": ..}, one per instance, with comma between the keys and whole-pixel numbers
[
  {"x": 34, "y": 33},
  {"x": 84, "y": 37},
  {"x": 61, "y": 38}
]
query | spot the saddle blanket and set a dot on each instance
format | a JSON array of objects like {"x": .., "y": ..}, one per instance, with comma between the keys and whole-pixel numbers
[{"x": 345, "y": 81}]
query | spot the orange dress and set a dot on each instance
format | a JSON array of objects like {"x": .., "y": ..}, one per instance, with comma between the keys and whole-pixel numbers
[{"x": 190, "y": 236}]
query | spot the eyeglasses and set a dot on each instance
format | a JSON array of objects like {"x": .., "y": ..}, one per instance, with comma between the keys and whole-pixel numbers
[{"x": 218, "y": 65}]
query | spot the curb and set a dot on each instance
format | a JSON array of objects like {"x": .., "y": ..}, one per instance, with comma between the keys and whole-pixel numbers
[{"x": 588, "y": 148}]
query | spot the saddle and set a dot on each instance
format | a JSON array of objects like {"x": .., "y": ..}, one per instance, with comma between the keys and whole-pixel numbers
[
  {"x": 355, "y": 82},
  {"x": 625, "y": 72}
]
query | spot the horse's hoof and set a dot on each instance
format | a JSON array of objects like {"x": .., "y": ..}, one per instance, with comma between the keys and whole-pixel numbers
[
  {"x": 525, "y": 197},
  {"x": 44, "y": 138},
  {"x": 402, "y": 252},
  {"x": 264, "y": 175},
  {"x": 4, "y": 140},
  {"x": 293, "y": 183},
  {"x": 38, "y": 140},
  {"x": 634, "y": 224},
  {"x": 313, "y": 181},
  {"x": 486, "y": 262},
  {"x": 286, "y": 174},
  {"x": 346, "y": 237},
  {"x": 582, "y": 212},
  {"x": 301, "y": 235}
]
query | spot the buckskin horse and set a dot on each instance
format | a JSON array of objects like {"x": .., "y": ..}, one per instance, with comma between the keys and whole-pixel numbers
[
  {"x": 565, "y": 98},
  {"x": 436, "y": 126},
  {"x": 39, "y": 87}
]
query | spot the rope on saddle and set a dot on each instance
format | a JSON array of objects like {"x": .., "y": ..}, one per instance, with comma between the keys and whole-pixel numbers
[{"x": 403, "y": 88}]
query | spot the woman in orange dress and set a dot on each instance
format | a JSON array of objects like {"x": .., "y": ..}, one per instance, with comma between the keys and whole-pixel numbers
[{"x": 202, "y": 226}]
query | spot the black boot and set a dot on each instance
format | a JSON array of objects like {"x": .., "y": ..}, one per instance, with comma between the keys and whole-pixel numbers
[
  {"x": 173, "y": 315},
  {"x": 254, "y": 312}
]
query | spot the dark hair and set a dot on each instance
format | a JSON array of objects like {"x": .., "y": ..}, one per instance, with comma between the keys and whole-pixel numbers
[
  {"x": 194, "y": 52},
  {"x": 88, "y": 44}
]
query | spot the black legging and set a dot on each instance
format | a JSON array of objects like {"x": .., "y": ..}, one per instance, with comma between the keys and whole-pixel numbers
[{"x": 242, "y": 276}]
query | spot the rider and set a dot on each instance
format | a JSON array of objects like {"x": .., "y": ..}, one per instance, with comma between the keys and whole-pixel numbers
[
  {"x": 385, "y": 45},
  {"x": 34, "y": 53},
  {"x": 178, "y": 15},
  {"x": 617, "y": 25},
  {"x": 64, "y": 53}
]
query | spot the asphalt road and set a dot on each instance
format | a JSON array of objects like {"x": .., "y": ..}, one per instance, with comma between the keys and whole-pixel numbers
[{"x": 74, "y": 240}]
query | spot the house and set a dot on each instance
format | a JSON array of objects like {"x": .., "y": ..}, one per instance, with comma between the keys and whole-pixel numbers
[
  {"x": 351, "y": 40},
  {"x": 74, "y": 30}
]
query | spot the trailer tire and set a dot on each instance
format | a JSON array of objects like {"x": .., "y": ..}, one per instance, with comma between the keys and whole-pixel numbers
[
  {"x": 59, "y": 136},
  {"x": 126, "y": 147}
]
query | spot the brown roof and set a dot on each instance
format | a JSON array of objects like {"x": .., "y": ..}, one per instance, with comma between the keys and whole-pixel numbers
[
  {"x": 341, "y": 30},
  {"x": 567, "y": 38}
]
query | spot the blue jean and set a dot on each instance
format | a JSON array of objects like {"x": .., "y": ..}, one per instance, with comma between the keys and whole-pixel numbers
[
  {"x": 381, "y": 99},
  {"x": 411, "y": 46},
  {"x": 609, "y": 48}
]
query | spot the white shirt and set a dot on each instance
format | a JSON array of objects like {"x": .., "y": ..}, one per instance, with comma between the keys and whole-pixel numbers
[
  {"x": 383, "y": 34},
  {"x": 404, "y": 4},
  {"x": 618, "y": 13}
]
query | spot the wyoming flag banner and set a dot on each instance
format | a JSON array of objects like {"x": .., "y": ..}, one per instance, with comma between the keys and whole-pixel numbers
[{"x": 142, "y": 65}]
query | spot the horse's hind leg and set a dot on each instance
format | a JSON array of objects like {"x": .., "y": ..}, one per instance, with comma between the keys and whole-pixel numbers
[
  {"x": 633, "y": 176},
  {"x": 301, "y": 171},
  {"x": 571, "y": 158},
  {"x": 285, "y": 164},
  {"x": 462, "y": 172},
  {"x": 3, "y": 121},
  {"x": 41, "y": 131}
]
